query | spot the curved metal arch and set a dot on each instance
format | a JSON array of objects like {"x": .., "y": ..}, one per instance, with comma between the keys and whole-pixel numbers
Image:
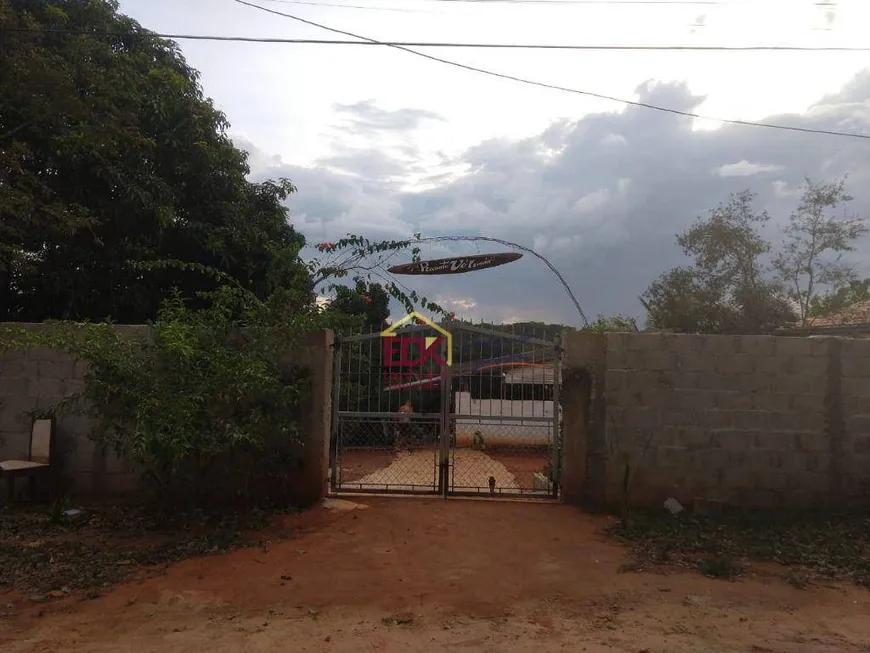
[{"x": 507, "y": 243}]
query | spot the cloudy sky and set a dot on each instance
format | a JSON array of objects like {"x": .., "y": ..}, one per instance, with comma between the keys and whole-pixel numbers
[{"x": 385, "y": 144}]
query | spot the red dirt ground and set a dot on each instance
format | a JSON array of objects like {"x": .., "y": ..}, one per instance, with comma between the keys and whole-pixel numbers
[
  {"x": 433, "y": 575},
  {"x": 357, "y": 463},
  {"x": 523, "y": 464}
]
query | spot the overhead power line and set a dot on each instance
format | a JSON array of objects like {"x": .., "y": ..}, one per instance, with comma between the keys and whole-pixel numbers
[
  {"x": 687, "y": 3},
  {"x": 450, "y": 44},
  {"x": 605, "y": 3},
  {"x": 315, "y": 3},
  {"x": 556, "y": 87},
  {"x": 598, "y": 2},
  {"x": 563, "y": 3}
]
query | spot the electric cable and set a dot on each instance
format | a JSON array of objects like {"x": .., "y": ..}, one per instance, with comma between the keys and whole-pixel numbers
[{"x": 530, "y": 82}]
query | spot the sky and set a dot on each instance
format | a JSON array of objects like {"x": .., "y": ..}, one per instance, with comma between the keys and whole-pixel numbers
[{"x": 385, "y": 144}]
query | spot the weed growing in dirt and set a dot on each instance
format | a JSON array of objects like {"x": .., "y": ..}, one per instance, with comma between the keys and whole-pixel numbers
[
  {"x": 718, "y": 566},
  {"x": 796, "y": 579},
  {"x": 57, "y": 509},
  {"x": 404, "y": 619},
  {"x": 44, "y": 551},
  {"x": 814, "y": 546}
]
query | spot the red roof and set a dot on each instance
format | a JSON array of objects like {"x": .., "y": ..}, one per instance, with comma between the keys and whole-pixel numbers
[{"x": 857, "y": 313}]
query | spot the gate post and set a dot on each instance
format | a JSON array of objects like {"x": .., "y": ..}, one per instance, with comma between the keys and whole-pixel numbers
[
  {"x": 445, "y": 426},
  {"x": 334, "y": 430},
  {"x": 556, "y": 463}
]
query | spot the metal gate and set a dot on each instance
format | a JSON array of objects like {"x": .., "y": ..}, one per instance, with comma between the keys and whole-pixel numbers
[{"x": 450, "y": 409}]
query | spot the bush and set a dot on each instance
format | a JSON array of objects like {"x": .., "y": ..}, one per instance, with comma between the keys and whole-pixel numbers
[{"x": 206, "y": 406}]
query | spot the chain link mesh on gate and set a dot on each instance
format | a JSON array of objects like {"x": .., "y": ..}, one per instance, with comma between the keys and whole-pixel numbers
[
  {"x": 484, "y": 425},
  {"x": 383, "y": 455},
  {"x": 503, "y": 459}
]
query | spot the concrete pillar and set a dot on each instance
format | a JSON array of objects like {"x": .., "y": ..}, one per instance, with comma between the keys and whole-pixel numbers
[
  {"x": 583, "y": 452},
  {"x": 309, "y": 483}
]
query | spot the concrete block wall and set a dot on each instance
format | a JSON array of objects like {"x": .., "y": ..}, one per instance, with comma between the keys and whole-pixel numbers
[
  {"x": 852, "y": 462},
  {"x": 757, "y": 421},
  {"x": 35, "y": 379}
]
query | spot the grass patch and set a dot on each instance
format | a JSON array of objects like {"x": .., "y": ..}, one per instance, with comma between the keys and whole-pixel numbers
[
  {"x": 720, "y": 545},
  {"x": 718, "y": 566},
  {"x": 42, "y": 550}
]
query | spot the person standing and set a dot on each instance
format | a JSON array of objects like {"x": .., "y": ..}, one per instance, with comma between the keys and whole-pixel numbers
[{"x": 403, "y": 440}]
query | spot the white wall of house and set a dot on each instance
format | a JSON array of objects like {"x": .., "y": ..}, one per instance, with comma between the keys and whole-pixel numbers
[
  {"x": 465, "y": 405},
  {"x": 502, "y": 420}
]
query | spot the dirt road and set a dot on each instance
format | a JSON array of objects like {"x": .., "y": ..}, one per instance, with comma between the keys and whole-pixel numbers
[{"x": 433, "y": 575}]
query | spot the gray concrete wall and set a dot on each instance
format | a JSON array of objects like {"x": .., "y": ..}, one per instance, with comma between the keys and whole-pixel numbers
[
  {"x": 757, "y": 421},
  {"x": 38, "y": 379},
  {"x": 311, "y": 481}
]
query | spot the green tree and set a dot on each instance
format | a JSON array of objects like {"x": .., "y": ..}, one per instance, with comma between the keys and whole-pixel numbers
[
  {"x": 725, "y": 290},
  {"x": 815, "y": 240},
  {"x": 370, "y": 301},
  {"x": 111, "y": 160},
  {"x": 367, "y": 307},
  {"x": 679, "y": 301}
]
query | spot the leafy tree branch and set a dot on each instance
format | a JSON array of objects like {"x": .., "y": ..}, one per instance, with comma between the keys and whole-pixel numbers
[
  {"x": 815, "y": 241},
  {"x": 361, "y": 260}
]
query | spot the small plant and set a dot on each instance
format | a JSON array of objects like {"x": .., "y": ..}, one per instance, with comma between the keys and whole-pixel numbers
[
  {"x": 808, "y": 545},
  {"x": 662, "y": 555},
  {"x": 625, "y": 493},
  {"x": 719, "y": 566},
  {"x": 57, "y": 510},
  {"x": 635, "y": 567},
  {"x": 796, "y": 579},
  {"x": 630, "y": 463},
  {"x": 861, "y": 576}
]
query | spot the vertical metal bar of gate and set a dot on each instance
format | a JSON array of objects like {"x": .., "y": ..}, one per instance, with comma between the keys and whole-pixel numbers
[
  {"x": 335, "y": 431},
  {"x": 556, "y": 469},
  {"x": 445, "y": 427}
]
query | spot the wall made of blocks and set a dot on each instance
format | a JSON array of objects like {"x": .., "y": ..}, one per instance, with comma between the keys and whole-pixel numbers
[
  {"x": 758, "y": 421},
  {"x": 34, "y": 380}
]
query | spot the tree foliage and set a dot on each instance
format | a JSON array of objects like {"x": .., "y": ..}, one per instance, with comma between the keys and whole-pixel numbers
[
  {"x": 843, "y": 295},
  {"x": 363, "y": 261},
  {"x": 612, "y": 323},
  {"x": 367, "y": 300},
  {"x": 815, "y": 240},
  {"x": 110, "y": 156},
  {"x": 207, "y": 405},
  {"x": 726, "y": 289}
]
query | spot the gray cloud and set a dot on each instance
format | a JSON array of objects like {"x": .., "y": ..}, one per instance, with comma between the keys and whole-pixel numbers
[
  {"x": 367, "y": 116},
  {"x": 372, "y": 164},
  {"x": 332, "y": 203},
  {"x": 377, "y": 145},
  {"x": 601, "y": 196}
]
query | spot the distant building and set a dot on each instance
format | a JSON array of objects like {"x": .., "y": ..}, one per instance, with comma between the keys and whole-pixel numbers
[
  {"x": 519, "y": 411},
  {"x": 851, "y": 321}
]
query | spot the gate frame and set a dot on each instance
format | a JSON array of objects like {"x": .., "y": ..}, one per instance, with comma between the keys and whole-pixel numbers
[
  {"x": 556, "y": 347},
  {"x": 445, "y": 436},
  {"x": 437, "y": 487},
  {"x": 446, "y": 427}
]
